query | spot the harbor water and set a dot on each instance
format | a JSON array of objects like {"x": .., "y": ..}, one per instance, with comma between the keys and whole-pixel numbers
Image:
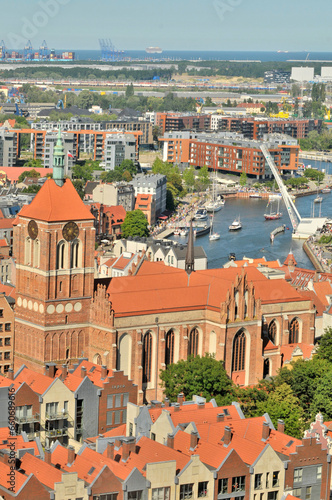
[{"x": 253, "y": 240}]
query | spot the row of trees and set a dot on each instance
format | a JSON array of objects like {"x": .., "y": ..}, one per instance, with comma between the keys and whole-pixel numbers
[
  {"x": 295, "y": 395},
  {"x": 316, "y": 141}
]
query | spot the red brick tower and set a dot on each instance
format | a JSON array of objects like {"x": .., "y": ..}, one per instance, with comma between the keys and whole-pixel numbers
[{"x": 54, "y": 242}]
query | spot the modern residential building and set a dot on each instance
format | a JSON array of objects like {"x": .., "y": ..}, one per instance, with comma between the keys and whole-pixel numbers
[
  {"x": 154, "y": 184},
  {"x": 230, "y": 152},
  {"x": 115, "y": 194},
  {"x": 47, "y": 156},
  {"x": 8, "y": 148},
  {"x": 118, "y": 147}
]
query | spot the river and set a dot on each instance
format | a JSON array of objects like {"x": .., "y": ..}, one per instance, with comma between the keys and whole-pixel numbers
[{"x": 253, "y": 240}]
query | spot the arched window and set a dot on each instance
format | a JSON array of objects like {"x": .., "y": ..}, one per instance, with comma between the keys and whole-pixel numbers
[
  {"x": 75, "y": 254},
  {"x": 272, "y": 331},
  {"x": 147, "y": 357},
  {"x": 97, "y": 359},
  {"x": 266, "y": 369},
  {"x": 193, "y": 342},
  {"x": 236, "y": 309},
  {"x": 239, "y": 351},
  {"x": 36, "y": 253},
  {"x": 246, "y": 299},
  {"x": 294, "y": 331},
  {"x": 27, "y": 251},
  {"x": 60, "y": 257},
  {"x": 169, "y": 348}
]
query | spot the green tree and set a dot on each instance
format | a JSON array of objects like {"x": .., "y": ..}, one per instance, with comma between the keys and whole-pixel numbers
[
  {"x": 322, "y": 401},
  {"x": 203, "y": 178},
  {"x": 203, "y": 376},
  {"x": 28, "y": 173},
  {"x": 135, "y": 224},
  {"x": 282, "y": 404},
  {"x": 189, "y": 176},
  {"x": 243, "y": 179},
  {"x": 130, "y": 92},
  {"x": 33, "y": 188},
  {"x": 208, "y": 102},
  {"x": 83, "y": 172},
  {"x": 324, "y": 350},
  {"x": 84, "y": 99},
  {"x": 79, "y": 186}
]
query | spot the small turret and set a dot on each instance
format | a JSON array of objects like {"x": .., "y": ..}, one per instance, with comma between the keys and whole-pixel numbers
[{"x": 59, "y": 161}]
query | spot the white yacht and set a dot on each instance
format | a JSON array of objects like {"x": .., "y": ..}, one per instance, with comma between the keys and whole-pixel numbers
[
  {"x": 201, "y": 214},
  {"x": 236, "y": 225}
]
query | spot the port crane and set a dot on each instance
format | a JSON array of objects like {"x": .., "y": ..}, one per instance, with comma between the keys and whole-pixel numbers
[{"x": 292, "y": 211}]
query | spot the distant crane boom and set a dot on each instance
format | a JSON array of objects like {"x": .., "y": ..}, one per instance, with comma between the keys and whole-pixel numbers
[{"x": 293, "y": 213}]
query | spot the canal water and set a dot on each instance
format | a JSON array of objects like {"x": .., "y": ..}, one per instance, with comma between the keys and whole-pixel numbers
[{"x": 253, "y": 240}]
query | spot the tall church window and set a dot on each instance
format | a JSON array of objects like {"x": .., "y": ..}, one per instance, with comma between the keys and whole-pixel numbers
[
  {"x": 147, "y": 357},
  {"x": 272, "y": 331},
  {"x": 75, "y": 254},
  {"x": 27, "y": 251},
  {"x": 239, "y": 351},
  {"x": 61, "y": 255},
  {"x": 236, "y": 308},
  {"x": 193, "y": 342},
  {"x": 36, "y": 253},
  {"x": 294, "y": 331},
  {"x": 246, "y": 300},
  {"x": 169, "y": 348}
]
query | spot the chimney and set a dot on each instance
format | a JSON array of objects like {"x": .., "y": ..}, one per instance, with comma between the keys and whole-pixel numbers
[
  {"x": 177, "y": 407},
  {"x": 227, "y": 435},
  {"x": 103, "y": 372},
  {"x": 155, "y": 404},
  {"x": 71, "y": 454},
  {"x": 170, "y": 440},
  {"x": 200, "y": 405},
  {"x": 128, "y": 446},
  {"x": 47, "y": 456},
  {"x": 180, "y": 398},
  {"x": 10, "y": 374},
  {"x": 64, "y": 372},
  {"x": 281, "y": 426},
  {"x": 110, "y": 450},
  {"x": 266, "y": 431},
  {"x": 220, "y": 417},
  {"x": 166, "y": 402},
  {"x": 4, "y": 457},
  {"x": 193, "y": 440},
  {"x": 51, "y": 370},
  {"x": 83, "y": 372}
]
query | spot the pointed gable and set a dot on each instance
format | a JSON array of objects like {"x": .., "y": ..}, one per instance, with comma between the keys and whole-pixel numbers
[{"x": 56, "y": 204}]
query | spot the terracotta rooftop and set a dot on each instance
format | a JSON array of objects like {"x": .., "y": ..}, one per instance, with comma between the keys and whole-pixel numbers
[
  {"x": 44, "y": 472},
  {"x": 19, "y": 481},
  {"x": 38, "y": 383},
  {"x": 56, "y": 204},
  {"x": 287, "y": 351}
]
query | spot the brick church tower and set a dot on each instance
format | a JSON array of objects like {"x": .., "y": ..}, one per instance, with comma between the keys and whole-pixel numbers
[{"x": 54, "y": 241}]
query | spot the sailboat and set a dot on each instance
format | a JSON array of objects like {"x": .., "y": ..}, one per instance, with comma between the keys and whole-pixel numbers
[
  {"x": 318, "y": 198},
  {"x": 218, "y": 201},
  {"x": 213, "y": 235},
  {"x": 273, "y": 215}
]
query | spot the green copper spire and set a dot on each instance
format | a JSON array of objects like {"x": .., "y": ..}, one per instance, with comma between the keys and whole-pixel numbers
[{"x": 58, "y": 161}]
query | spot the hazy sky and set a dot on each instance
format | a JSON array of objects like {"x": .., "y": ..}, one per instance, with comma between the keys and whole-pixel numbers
[{"x": 170, "y": 24}]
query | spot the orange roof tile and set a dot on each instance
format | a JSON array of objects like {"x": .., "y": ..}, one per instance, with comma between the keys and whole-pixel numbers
[
  {"x": 123, "y": 262},
  {"x": 19, "y": 481},
  {"x": 287, "y": 351},
  {"x": 3, "y": 243},
  {"x": 55, "y": 204},
  {"x": 8, "y": 290},
  {"x": 6, "y": 223},
  {"x": 71, "y": 381},
  {"x": 13, "y": 173},
  {"x": 38, "y": 383},
  {"x": 44, "y": 472},
  {"x": 93, "y": 372}
]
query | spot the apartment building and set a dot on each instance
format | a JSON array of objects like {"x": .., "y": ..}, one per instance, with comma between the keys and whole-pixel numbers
[
  {"x": 8, "y": 148},
  {"x": 154, "y": 184}
]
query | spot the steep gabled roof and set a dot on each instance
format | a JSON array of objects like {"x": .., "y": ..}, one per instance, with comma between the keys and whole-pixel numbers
[
  {"x": 56, "y": 204},
  {"x": 44, "y": 472}
]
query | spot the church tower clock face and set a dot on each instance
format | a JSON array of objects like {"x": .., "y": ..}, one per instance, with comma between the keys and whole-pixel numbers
[
  {"x": 70, "y": 231},
  {"x": 33, "y": 229}
]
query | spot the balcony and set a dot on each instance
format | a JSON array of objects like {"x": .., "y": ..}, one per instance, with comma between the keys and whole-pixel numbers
[
  {"x": 27, "y": 420},
  {"x": 56, "y": 432},
  {"x": 56, "y": 416}
]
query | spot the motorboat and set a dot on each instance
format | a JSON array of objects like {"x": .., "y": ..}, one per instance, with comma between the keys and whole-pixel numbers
[
  {"x": 256, "y": 196},
  {"x": 326, "y": 190},
  {"x": 318, "y": 199},
  {"x": 215, "y": 206},
  {"x": 177, "y": 232},
  {"x": 201, "y": 214},
  {"x": 236, "y": 225},
  {"x": 201, "y": 230},
  {"x": 184, "y": 232}
]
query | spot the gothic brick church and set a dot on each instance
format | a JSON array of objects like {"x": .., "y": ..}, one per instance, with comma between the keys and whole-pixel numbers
[{"x": 140, "y": 323}]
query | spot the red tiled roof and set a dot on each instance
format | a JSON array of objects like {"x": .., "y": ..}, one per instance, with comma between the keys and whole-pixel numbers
[
  {"x": 203, "y": 290},
  {"x": 8, "y": 290},
  {"x": 289, "y": 257},
  {"x": 13, "y": 173},
  {"x": 6, "y": 223},
  {"x": 93, "y": 372},
  {"x": 44, "y": 472},
  {"x": 122, "y": 262},
  {"x": 3, "y": 243},
  {"x": 38, "y": 383},
  {"x": 19, "y": 481},
  {"x": 71, "y": 381},
  {"x": 287, "y": 351},
  {"x": 55, "y": 204}
]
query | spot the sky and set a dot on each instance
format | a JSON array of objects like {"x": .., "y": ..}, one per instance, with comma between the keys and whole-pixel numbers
[{"x": 253, "y": 25}]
